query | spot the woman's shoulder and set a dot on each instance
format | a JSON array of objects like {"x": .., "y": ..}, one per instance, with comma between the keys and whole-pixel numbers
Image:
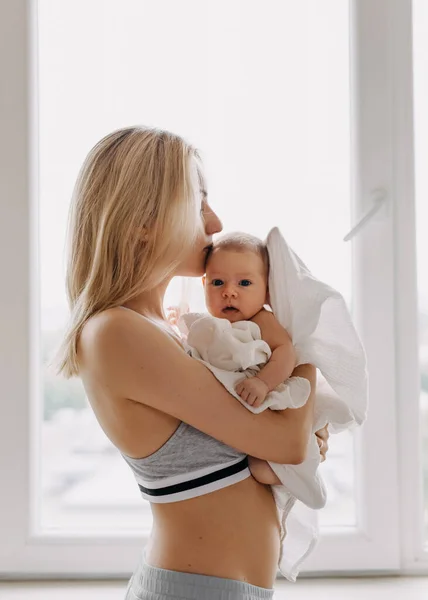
[
  {"x": 108, "y": 324},
  {"x": 122, "y": 330}
]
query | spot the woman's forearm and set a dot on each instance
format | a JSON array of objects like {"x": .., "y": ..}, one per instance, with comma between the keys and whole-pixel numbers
[{"x": 302, "y": 418}]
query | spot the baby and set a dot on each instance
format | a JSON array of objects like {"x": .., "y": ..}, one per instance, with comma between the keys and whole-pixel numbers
[
  {"x": 236, "y": 289},
  {"x": 253, "y": 353}
]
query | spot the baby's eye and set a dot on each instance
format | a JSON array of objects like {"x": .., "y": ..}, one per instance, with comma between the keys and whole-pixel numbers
[
  {"x": 217, "y": 282},
  {"x": 245, "y": 282}
]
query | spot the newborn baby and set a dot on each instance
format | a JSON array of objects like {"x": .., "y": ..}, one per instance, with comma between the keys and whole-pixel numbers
[
  {"x": 253, "y": 351},
  {"x": 236, "y": 289}
]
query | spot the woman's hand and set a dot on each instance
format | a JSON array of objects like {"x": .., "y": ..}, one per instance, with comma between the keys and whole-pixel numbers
[{"x": 322, "y": 439}]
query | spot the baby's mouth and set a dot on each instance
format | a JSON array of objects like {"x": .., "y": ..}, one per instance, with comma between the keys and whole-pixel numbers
[{"x": 229, "y": 309}]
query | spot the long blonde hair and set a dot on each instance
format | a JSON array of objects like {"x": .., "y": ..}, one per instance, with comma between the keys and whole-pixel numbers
[{"x": 133, "y": 217}]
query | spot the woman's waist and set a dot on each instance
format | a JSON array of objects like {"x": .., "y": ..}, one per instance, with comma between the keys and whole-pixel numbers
[{"x": 232, "y": 533}]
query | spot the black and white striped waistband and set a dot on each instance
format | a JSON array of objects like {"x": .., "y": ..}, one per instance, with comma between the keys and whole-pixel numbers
[{"x": 198, "y": 483}]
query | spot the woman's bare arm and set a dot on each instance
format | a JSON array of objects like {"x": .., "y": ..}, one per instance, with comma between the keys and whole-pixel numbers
[{"x": 133, "y": 358}]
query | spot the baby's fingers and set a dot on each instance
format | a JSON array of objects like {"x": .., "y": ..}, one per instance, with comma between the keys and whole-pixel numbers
[
  {"x": 173, "y": 314},
  {"x": 251, "y": 399},
  {"x": 239, "y": 387},
  {"x": 245, "y": 394}
]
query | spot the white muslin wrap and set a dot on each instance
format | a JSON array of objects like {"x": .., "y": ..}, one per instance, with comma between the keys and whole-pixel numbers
[{"x": 317, "y": 319}]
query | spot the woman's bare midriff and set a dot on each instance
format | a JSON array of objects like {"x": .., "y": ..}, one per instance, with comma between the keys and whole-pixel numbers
[{"x": 232, "y": 533}]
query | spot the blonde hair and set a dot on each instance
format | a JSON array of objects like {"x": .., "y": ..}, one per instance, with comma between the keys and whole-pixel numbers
[
  {"x": 134, "y": 216},
  {"x": 242, "y": 242}
]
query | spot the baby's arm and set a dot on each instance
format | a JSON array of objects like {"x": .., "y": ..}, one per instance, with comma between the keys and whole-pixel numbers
[
  {"x": 283, "y": 360},
  {"x": 280, "y": 365},
  {"x": 278, "y": 369}
]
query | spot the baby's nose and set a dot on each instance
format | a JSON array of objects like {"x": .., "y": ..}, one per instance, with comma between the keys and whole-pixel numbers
[{"x": 229, "y": 292}]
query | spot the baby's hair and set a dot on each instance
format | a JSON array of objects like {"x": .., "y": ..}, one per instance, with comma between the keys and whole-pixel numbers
[{"x": 242, "y": 242}]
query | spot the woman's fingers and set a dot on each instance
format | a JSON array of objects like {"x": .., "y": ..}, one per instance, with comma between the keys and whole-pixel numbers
[
  {"x": 322, "y": 447},
  {"x": 322, "y": 439},
  {"x": 323, "y": 433}
]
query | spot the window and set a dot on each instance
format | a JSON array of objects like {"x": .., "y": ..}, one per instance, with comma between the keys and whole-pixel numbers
[
  {"x": 290, "y": 131},
  {"x": 297, "y": 94}
]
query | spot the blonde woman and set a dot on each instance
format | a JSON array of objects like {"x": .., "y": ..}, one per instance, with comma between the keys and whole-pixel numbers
[{"x": 139, "y": 216}]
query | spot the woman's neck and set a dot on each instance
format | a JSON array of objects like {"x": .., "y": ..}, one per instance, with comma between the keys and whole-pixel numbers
[{"x": 149, "y": 304}]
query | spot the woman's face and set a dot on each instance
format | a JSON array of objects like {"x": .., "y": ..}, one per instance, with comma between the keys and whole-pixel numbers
[{"x": 194, "y": 264}]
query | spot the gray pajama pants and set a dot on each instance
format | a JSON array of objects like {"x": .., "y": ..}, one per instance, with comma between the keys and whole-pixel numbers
[{"x": 152, "y": 583}]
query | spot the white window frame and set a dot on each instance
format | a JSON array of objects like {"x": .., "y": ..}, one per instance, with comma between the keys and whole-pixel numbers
[
  {"x": 414, "y": 550},
  {"x": 388, "y": 538}
]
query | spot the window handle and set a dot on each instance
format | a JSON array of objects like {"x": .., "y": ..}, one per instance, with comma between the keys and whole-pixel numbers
[{"x": 378, "y": 199}]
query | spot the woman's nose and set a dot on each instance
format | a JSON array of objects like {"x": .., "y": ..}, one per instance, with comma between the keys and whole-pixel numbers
[{"x": 212, "y": 222}]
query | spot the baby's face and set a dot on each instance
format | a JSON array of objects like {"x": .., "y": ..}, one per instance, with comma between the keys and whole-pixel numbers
[{"x": 235, "y": 284}]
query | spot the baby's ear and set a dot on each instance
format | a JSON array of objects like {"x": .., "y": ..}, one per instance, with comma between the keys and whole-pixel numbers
[
  {"x": 267, "y": 297},
  {"x": 204, "y": 280}
]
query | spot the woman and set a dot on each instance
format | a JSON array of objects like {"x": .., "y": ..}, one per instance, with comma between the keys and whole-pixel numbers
[{"x": 139, "y": 216}]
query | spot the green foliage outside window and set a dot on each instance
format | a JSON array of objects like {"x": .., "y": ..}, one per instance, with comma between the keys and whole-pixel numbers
[{"x": 58, "y": 392}]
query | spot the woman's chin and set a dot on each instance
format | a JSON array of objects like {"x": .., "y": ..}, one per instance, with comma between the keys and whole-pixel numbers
[
  {"x": 196, "y": 270},
  {"x": 194, "y": 266}
]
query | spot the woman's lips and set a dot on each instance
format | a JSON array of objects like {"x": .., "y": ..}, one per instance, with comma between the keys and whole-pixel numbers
[{"x": 207, "y": 252}]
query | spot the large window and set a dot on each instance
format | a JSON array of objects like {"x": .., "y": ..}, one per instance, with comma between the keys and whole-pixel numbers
[
  {"x": 271, "y": 100},
  {"x": 297, "y": 108}
]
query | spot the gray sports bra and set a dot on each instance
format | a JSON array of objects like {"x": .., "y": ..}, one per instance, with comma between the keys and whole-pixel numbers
[{"x": 189, "y": 464}]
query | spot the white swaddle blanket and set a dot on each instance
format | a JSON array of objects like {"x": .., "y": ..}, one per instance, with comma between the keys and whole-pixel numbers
[{"x": 317, "y": 319}]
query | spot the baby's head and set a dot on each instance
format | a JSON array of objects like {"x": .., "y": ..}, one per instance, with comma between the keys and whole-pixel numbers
[{"x": 236, "y": 277}]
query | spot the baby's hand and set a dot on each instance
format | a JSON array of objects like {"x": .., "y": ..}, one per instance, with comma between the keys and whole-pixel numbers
[
  {"x": 175, "y": 312},
  {"x": 252, "y": 390}
]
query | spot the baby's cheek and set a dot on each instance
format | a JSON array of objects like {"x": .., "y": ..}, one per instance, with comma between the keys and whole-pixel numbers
[
  {"x": 208, "y": 299},
  {"x": 212, "y": 306}
]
